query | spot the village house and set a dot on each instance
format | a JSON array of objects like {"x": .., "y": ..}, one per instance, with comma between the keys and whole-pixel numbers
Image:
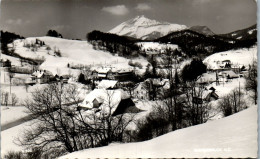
[
  {"x": 108, "y": 102},
  {"x": 124, "y": 75},
  {"x": 112, "y": 74},
  {"x": 225, "y": 64},
  {"x": 5, "y": 63},
  {"x": 65, "y": 78},
  {"x": 141, "y": 92},
  {"x": 206, "y": 95},
  {"x": 102, "y": 73},
  {"x": 94, "y": 73},
  {"x": 41, "y": 76},
  {"x": 211, "y": 95},
  {"x": 143, "y": 89}
]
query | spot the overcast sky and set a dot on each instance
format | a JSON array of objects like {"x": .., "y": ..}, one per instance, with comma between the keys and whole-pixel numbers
[{"x": 75, "y": 18}]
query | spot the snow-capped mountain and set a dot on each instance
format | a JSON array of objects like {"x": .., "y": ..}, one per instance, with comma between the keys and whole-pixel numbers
[{"x": 143, "y": 28}]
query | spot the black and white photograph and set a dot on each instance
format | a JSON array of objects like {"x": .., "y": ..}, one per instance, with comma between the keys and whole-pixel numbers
[{"x": 128, "y": 79}]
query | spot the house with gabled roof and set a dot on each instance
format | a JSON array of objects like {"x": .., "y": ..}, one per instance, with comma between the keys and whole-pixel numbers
[
  {"x": 41, "y": 76},
  {"x": 110, "y": 102},
  {"x": 205, "y": 95}
]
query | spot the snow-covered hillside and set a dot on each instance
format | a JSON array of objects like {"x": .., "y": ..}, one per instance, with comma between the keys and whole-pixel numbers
[
  {"x": 12, "y": 114},
  {"x": 143, "y": 28},
  {"x": 72, "y": 51},
  {"x": 233, "y": 136},
  {"x": 9, "y": 137},
  {"x": 237, "y": 58},
  {"x": 243, "y": 34}
]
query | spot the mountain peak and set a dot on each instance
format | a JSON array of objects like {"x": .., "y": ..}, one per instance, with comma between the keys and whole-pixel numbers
[
  {"x": 139, "y": 16},
  {"x": 202, "y": 29},
  {"x": 145, "y": 28},
  {"x": 142, "y": 21}
]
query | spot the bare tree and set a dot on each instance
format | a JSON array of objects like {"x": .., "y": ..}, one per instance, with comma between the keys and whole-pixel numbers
[
  {"x": 251, "y": 80},
  {"x": 196, "y": 108},
  {"x": 155, "y": 124},
  {"x": 4, "y": 98},
  {"x": 129, "y": 88},
  {"x": 57, "y": 125},
  {"x": 114, "y": 126},
  {"x": 11, "y": 76},
  {"x": 48, "y": 49},
  {"x": 172, "y": 95},
  {"x": 232, "y": 102},
  {"x": 14, "y": 99}
]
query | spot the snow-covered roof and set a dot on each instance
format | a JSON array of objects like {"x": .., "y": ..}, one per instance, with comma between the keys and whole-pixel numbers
[
  {"x": 101, "y": 75},
  {"x": 160, "y": 82},
  {"x": 207, "y": 77},
  {"x": 124, "y": 71},
  {"x": 140, "y": 86},
  {"x": 205, "y": 93},
  {"x": 107, "y": 84},
  {"x": 38, "y": 73},
  {"x": 109, "y": 99},
  {"x": 104, "y": 70},
  {"x": 231, "y": 74}
]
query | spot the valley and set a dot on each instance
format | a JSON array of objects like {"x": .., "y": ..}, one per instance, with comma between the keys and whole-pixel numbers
[{"x": 141, "y": 86}]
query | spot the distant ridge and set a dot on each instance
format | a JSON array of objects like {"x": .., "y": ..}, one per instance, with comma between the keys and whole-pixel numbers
[{"x": 202, "y": 29}]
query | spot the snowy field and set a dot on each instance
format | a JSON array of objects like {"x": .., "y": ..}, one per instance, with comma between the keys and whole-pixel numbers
[
  {"x": 224, "y": 88},
  {"x": 14, "y": 60},
  {"x": 233, "y": 136},
  {"x": 9, "y": 138},
  {"x": 12, "y": 114},
  {"x": 20, "y": 91},
  {"x": 72, "y": 51},
  {"x": 237, "y": 57}
]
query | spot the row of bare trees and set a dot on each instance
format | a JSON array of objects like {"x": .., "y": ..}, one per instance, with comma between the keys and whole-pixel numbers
[
  {"x": 232, "y": 102},
  {"x": 7, "y": 99}
]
